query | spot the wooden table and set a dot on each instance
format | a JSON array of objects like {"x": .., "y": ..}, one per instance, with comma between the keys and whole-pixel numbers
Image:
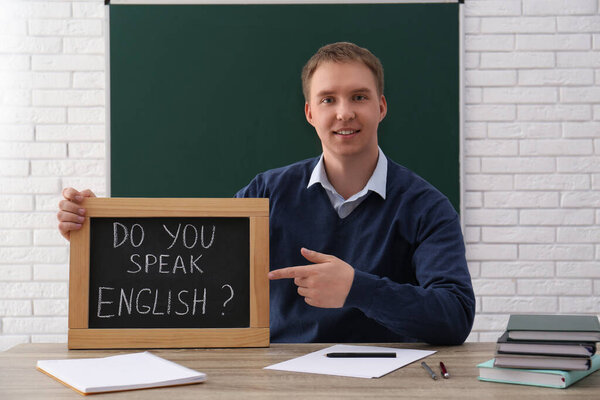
[{"x": 239, "y": 374}]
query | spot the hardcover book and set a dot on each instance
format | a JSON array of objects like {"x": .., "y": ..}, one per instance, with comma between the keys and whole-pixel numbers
[
  {"x": 549, "y": 348},
  {"x": 554, "y": 327}
]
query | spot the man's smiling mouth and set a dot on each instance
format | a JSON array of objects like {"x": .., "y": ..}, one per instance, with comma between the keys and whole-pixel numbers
[{"x": 346, "y": 132}]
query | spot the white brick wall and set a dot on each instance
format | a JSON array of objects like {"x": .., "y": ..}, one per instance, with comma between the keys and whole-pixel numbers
[{"x": 531, "y": 156}]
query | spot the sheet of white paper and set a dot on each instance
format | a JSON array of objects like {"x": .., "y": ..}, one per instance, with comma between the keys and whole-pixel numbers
[
  {"x": 127, "y": 371},
  {"x": 319, "y": 363}
]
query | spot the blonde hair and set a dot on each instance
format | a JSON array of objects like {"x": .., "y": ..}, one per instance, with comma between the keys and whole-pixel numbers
[{"x": 341, "y": 52}]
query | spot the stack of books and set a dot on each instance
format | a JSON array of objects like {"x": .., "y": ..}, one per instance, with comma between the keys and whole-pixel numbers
[{"x": 544, "y": 350}]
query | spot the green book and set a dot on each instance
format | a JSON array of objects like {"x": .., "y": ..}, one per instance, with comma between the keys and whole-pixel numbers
[
  {"x": 554, "y": 327},
  {"x": 534, "y": 377}
]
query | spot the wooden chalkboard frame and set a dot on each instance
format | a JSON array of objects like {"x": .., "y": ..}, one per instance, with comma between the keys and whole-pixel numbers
[{"x": 80, "y": 336}]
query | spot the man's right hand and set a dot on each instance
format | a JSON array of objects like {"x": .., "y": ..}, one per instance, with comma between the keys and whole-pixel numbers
[{"x": 71, "y": 214}]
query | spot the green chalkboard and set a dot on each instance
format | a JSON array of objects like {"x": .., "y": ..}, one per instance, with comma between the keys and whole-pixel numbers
[{"x": 204, "y": 97}]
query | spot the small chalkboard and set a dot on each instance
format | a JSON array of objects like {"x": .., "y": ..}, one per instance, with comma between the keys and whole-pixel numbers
[{"x": 170, "y": 273}]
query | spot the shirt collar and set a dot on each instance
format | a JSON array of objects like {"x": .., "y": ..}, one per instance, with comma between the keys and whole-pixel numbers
[{"x": 377, "y": 181}]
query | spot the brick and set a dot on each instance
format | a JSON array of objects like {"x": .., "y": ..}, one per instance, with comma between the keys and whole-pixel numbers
[
  {"x": 68, "y": 168},
  {"x": 86, "y": 115},
  {"x": 488, "y": 182},
  {"x": 473, "y": 95},
  {"x": 586, "y": 23},
  {"x": 596, "y": 45},
  {"x": 14, "y": 237},
  {"x": 559, "y": 7},
  {"x": 490, "y": 322},
  {"x": 524, "y": 130},
  {"x": 517, "y": 234},
  {"x": 520, "y": 59},
  {"x": 49, "y": 338},
  {"x": 87, "y": 150},
  {"x": 68, "y": 97},
  {"x": 490, "y": 112},
  {"x": 13, "y": 168},
  {"x": 15, "y": 97},
  {"x": 484, "y": 252},
  {"x": 472, "y": 234},
  {"x": 596, "y": 112},
  {"x": 556, "y": 77},
  {"x": 16, "y": 133},
  {"x": 520, "y": 304},
  {"x": 68, "y": 27},
  {"x": 556, "y": 252},
  {"x": 14, "y": 62},
  {"x": 15, "y": 272},
  {"x": 71, "y": 133},
  {"x": 29, "y": 185},
  {"x": 580, "y": 199},
  {"x": 67, "y": 63},
  {"x": 39, "y": 80},
  {"x": 581, "y": 129},
  {"x": 487, "y": 287},
  {"x": 491, "y": 217},
  {"x": 546, "y": 147},
  {"x": 559, "y": 287},
  {"x": 596, "y": 185},
  {"x": 492, "y": 7},
  {"x": 86, "y": 9},
  {"x": 15, "y": 308},
  {"x": 23, "y": 220},
  {"x": 13, "y": 27},
  {"x": 517, "y": 269},
  {"x": 28, "y": 115},
  {"x": 473, "y": 269},
  {"x": 473, "y": 199},
  {"x": 516, "y": 95},
  {"x": 560, "y": 112},
  {"x": 471, "y": 60},
  {"x": 51, "y": 307},
  {"x": 47, "y": 237},
  {"x": 556, "y": 217},
  {"x": 580, "y": 94},
  {"x": 33, "y": 150},
  {"x": 517, "y": 164},
  {"x": 34, "y": 9},
  {"x": 579, "y": 305},
  {"x": 35, "y": 325},
  {"x": 580, "y": 234},
  {"x": 514, "y": 199},
  {"x": 34, "y": 290},
  {"x": 475, "y": 130},
  {"x": 552, "y": 182},
  {"x": 518, "y": 25},
  {"x": 86, "y": 45},
  {"x": 554, "y": 42},
  {"x": 45, "y": 202},
  {"x": 472, "y": 164},
  {"x": 51, "y": 272},
  {"x": 30, "y": 45},
  {"x": 578, "y": 269},
  {"x": 89, "y": 80},
  {"x": 589, "y": 59},
  {"x": 489, "y": 42},
  {"x": 579, "y": 164},
  {"x": 472, "y": 25},
  {"x": 97, "y": 185},
  {"x": 491, "y": 147},
  {"x": 490, "y": 77}
]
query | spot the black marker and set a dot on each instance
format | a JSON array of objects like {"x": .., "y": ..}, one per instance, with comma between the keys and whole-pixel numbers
[{"x": 361, "y": 355}]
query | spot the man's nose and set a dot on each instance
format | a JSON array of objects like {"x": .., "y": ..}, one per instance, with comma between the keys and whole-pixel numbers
[{"x": 345, "y": 111}]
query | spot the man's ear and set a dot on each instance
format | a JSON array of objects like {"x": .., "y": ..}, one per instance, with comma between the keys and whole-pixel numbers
[
  {"x": 308, "y": 113},
  {"x": 382, "y": 108}
]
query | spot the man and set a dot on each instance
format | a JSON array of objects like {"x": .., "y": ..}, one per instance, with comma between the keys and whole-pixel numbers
[{"x": 385, "y": 252}]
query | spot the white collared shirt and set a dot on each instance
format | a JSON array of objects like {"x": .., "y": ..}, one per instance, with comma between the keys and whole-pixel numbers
[{"x": 376, "y": 183}]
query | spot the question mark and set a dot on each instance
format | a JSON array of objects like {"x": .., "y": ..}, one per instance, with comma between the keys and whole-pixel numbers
[{"x": 230, "y": 297}]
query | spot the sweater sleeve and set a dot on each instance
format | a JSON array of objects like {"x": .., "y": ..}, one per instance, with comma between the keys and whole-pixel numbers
[{"x": 440, "y": 308}]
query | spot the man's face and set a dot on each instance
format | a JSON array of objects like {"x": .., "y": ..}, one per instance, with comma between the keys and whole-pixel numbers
[{"x": 345, "y": 109}]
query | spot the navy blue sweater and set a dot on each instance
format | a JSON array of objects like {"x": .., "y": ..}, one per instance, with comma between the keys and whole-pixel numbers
[{"x": 411, "y": 281}]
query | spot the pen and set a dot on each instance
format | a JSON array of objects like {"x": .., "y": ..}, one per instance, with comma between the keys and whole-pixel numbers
[
  {"x": 362, "y": 355},
  {"x": 426, "y": 367},
  {"x": 445, "y": 373}
]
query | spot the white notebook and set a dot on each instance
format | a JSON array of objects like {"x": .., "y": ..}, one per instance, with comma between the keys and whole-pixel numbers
[{"x": 122, "y": 372}]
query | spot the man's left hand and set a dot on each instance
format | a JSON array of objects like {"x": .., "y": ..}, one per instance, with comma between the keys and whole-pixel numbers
[{"x": 325, "y": 284}]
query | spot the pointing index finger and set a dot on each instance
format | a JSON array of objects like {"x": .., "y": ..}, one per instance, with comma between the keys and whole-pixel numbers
[{"x": 290, "y": 272}]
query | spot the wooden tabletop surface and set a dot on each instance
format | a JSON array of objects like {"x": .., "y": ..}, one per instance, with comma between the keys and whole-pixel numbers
[{"x": 239, "y": 374}]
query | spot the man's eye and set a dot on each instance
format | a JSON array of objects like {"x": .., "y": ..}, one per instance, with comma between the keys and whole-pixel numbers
[
  {"x": 360, "y": 97},
  {"x": 327, "y": 100}
]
